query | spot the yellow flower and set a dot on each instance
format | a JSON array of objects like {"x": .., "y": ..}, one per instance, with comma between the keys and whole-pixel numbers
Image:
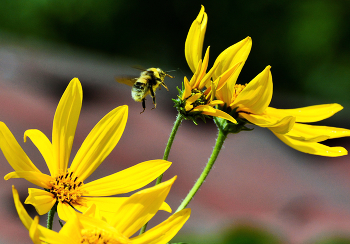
[
  {"x": 251, "y": 102},
  {"x": 66, "y": 186},
  {"x": 128, "y": 218},
  {"x": 198, "y": 95}
]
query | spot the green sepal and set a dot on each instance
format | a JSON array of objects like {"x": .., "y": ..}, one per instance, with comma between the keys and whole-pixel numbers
[{"x": 230, "y": 127}]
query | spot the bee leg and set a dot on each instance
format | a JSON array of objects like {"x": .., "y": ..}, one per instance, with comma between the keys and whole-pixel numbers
[
  {"x": 153, "y": 98},
  {"x": 143, "y": 105},
  {"x": 164, "y": 86}
]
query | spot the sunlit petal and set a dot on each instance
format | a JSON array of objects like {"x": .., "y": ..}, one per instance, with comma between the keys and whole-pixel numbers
[
  {"x": 278, "y": 125},
  {"x": 140, "y": 208},
  {"x": 127, "y": 180},
  {"x": 203, "y": 69},
  {"x": 188, "y": 89},
  {"x": 22, "y": 213},
  {"x": 34, "y": 177},
  {"x": 44, "y": 145},
  {"x": 34, "y": 232},
  {"x": 64, "y": 125},
  {"x": 312, "y": 147},
  {"x": 256, "y": 96},
  {"x": 206, "y": 109},
  {"x": 165, "y": 231},
  {"x": 317, "y": 133},
  {"x": 72, "y": 230},
  {"x": 65, "y": 211},
  {"x": 100, "y": 142},
  {"x": 308, "y": 114},
  {"x": 194, "y": 40},
  {"x": 13, "y": 152},
  {"x": 237, "y": 53},
  {"x": 42, "y": 200}
]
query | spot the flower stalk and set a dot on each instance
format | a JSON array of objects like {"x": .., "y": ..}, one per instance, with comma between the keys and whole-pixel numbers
[
  {"x": 222, "y": 135},
  {"x": 50, "y": 216}
]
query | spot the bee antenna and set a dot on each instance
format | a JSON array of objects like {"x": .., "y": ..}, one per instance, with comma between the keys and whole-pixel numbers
[{"x": 170, "y": 70}]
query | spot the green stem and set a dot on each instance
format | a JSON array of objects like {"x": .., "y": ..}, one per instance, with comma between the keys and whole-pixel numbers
[
  {"x": 222, "y": 135},
  {"x": 50, "y": 217},
  {"x": 176, "y": 126}
]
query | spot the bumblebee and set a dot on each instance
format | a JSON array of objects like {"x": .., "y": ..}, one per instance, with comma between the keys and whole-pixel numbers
[{"x": 146, "y": 84}]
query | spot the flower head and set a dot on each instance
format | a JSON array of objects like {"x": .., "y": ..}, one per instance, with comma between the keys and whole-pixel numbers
[
  {"x": 250, "y": 103},
  {"x": 65, "y": 186},
  {"x": 130, "y": 216},
  {"x": 197, "y": 97}
]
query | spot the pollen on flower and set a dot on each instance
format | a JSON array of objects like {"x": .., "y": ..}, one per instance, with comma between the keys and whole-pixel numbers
[
  {"x": 67, "y": 188},
  {"x": 237, "y": 90},
  {"x": 98, "y": 236},
  {"x": 197, "y": 98}
]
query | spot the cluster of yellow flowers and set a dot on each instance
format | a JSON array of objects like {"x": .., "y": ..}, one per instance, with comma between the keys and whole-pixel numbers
[{"x": 104, "y": 219}]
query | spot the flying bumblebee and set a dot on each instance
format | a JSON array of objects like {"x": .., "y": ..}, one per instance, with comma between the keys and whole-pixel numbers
[{"x": 145, "y": 85}]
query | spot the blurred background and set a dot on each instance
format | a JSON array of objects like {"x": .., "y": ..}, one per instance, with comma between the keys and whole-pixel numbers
[{"x": 260, "y": 191}]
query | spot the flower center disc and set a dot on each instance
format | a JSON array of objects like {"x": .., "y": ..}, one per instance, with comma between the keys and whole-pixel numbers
[{"x": 67, "y": 188}]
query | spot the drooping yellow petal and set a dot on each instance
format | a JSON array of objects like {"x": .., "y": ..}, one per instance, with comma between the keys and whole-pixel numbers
[
  {"x": 308, "y": 114},
  {"x": 65, "y": 211},
  {"x": 312, "y": 147},
  {"x": 165, "y": 231},
  {"x": 44, "y": 234},
  {"x": 188, "y": 89},
  {"x": 13, "y": 152},
  {"x": 100, "y": 142},
  {"x": 39, "y": 179},
  {"x": 277, "y": 125},
  {"x": 22, "y": 213},
  {"x": 42, "y": 200},
  {"x": 44, "y": 145},
  {"x": 194, "y": 78},
  {"x": 206, "y": 109},
  {"x": 194, "y": 40},
  {"x": 127, "y": 180},
  {"x": 34, "y": 232},
  {"x": 316, "y": 133},
  {"x": 64, "y": 125},
  {"x": 237, "y": 53},
  {"x": 256, "y": 96},
  {"x": 140, "y": 208}
]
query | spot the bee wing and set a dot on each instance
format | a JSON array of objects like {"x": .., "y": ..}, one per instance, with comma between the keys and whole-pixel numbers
[{"x": 126, "y": 80}]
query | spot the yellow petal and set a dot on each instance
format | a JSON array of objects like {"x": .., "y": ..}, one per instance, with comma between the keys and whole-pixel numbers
[
  {"x": 108, "y": 206},
  {"x": 216, "y": 102},
  {"x": 36, "y": 178},
  {"x": 188, "y": 89},
  {"x": 45, "y": 235},
  {"x": 206, "y": 109},
  {"x": 277, "y": 125},
  {"x": 72, "y": 230},
  {"x": 256, "y": 96},
  {"x": 308, "y": 114},
  {"x": 100, "y": 142},
  {"x": 44, "y": 146},
  {"x": 22, "y": 213},
  {"x": 203, "y": 70},
  {"x": 13, "y": 152},
  {"x": 237, "y": 53},
  {"x": 165, "y": 231},
  {"x": 194, "y": 40},
  {"x": 196, "y": 74},
  {"x": 225, "y": 94},
  {"x": 316, "y": 133},
  {"x": 140, "y": 208},
  {"x": 34, "y": 232},
  {"x": 64, "y": 125},
  {"x": 42, "y": 200},
  {"x": 65, "y": 211},
  {"x": 127, "y": 180},
  {"x": 312, "y": 147}
]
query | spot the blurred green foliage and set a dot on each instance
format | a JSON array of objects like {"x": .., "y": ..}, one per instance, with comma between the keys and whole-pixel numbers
[{"x": 307, "y": 42}]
